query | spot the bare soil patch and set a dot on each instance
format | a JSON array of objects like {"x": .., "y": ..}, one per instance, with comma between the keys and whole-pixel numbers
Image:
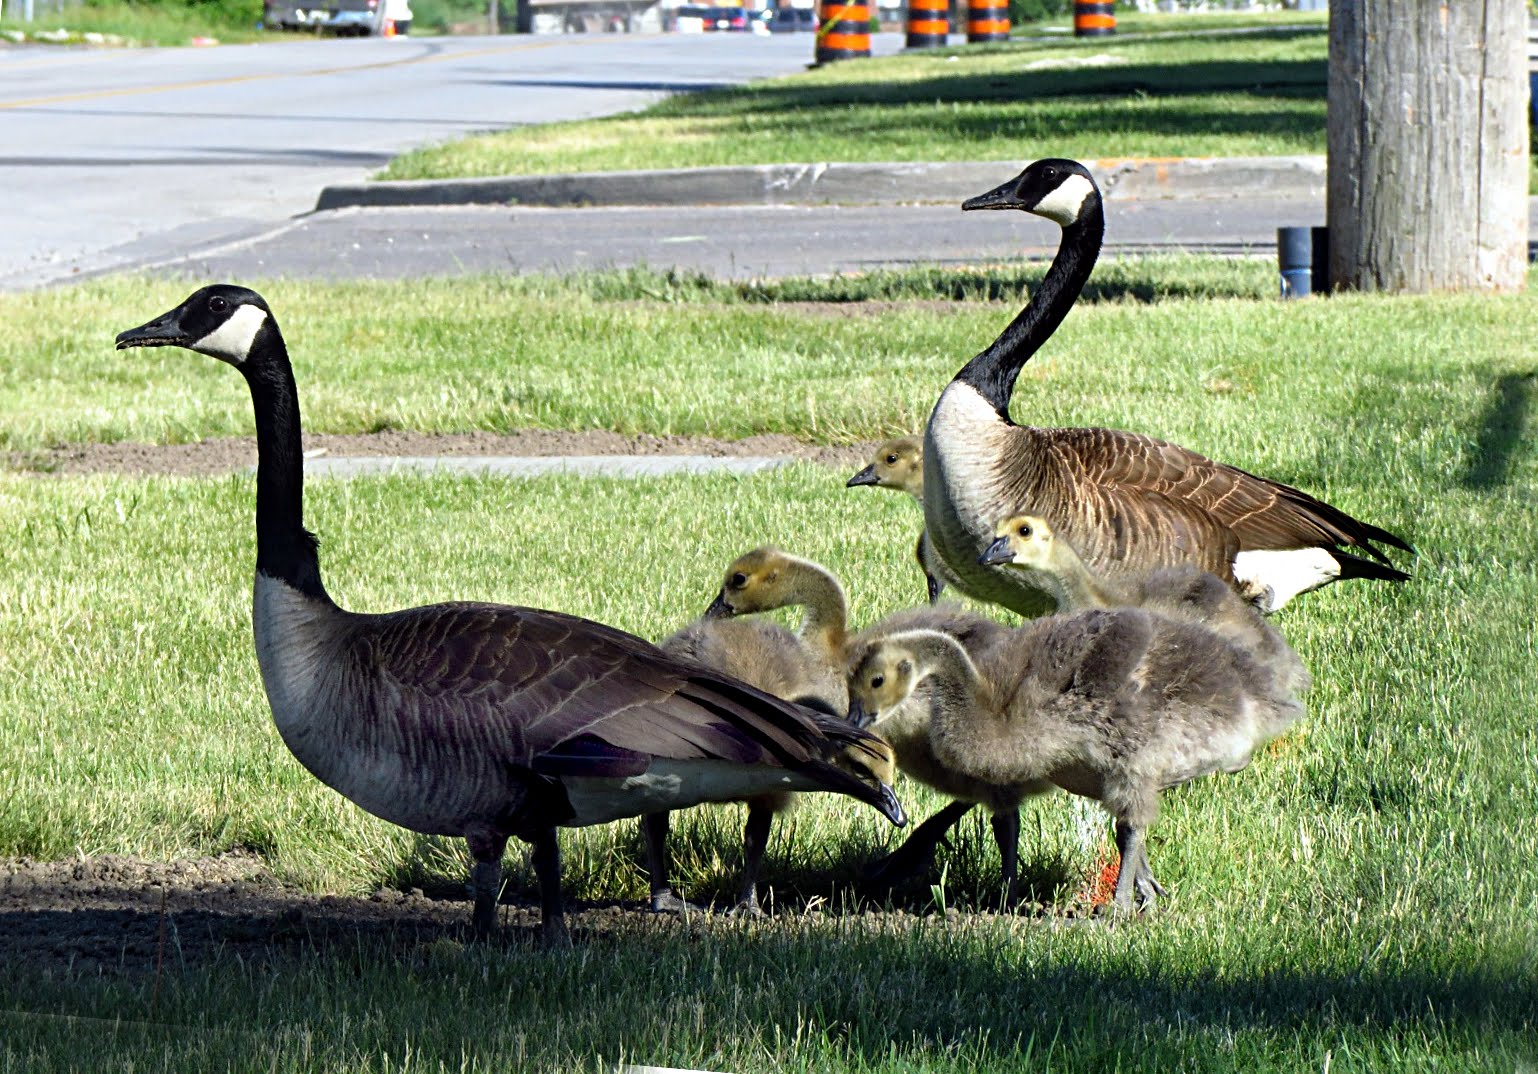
[
  {"x": 121, "y": 916},
  {"x": 230, "y": 454}
]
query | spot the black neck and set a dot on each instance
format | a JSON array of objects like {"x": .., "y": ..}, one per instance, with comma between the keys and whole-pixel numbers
[
  {"x": 285, "y": 550},
  {"x": 992, "y": 373}
]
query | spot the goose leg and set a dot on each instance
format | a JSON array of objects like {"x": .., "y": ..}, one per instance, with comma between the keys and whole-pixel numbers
[
  {"x": 654, "y": 826},
  {"x": 486, "y": 848},
  {"x": 917, "y": 852},
  {"x": 547, "y": 870},
  {"x": 755, "y": 840},
  {"x": 1006, "y": 832}
]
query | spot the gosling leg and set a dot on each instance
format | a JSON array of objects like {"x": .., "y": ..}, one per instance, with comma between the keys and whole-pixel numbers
[
  {"x": 755, "y": 840},
  {"x": 654, "y": 826},
  {"x": 1134, "y": 877},
  {"x": 917, "y": 852},
  {"x": 1006, "y": 832}
]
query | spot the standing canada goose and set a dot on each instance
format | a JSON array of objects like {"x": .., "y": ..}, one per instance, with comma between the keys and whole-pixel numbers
[
  {"x": 481, "y": 720},
  {"x": 1114, "y": 705},
  {"x": 1126, "y": 502},
  {"x": 1028, "y": 543},
  {"x": 899, "y": 464},
  {"x": 767, "y": 578},
  {"x": 771, "y": 658}
]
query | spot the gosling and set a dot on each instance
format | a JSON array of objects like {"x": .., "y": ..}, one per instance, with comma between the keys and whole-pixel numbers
[
  {"x": 1029, "y": 543},
  {"x": 899, "y": 464},
  {"x": 1112, "y": 705},
  {"x": 766, "y": 579},
  {"x": 771, "y": 658}
]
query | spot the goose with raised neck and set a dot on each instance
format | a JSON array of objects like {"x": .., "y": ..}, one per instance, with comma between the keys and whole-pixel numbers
[
  {"x": 483, "y": 721},
  {"x": 1128, "y": 502}
]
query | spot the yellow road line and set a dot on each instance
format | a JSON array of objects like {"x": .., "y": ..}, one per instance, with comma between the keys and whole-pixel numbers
[{"x": 203, "y": 83}]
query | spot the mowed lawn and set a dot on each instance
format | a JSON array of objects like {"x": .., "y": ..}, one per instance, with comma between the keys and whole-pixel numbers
[
  {"x": 1260, "y": 93},
  {"x": 1361, "y": 898}
]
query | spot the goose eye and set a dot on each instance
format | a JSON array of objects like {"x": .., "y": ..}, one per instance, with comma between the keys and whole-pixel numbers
[
  {"x": 738, "y": 580},
  {"x": 218, "y": 304},
  {"x": 1049, "y": 173},
  {"x": 877, "y": 682}
]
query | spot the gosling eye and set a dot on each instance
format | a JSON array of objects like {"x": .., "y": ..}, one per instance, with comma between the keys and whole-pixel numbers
[
  {"x": 218, "y": 304},
  {"x": 738, "y": 580},
  {"x": 1025, "y": 531},
  {"x": 877, "y": 682},
  {"x": 891, "y": 460}
]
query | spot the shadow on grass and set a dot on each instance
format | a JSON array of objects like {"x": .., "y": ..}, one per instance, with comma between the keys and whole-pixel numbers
[
  {"x": 318, "y": 988},
  {"x": 1499, "y": 435}
]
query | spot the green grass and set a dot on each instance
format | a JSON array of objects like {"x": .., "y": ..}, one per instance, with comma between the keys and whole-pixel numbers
[
  {"x": 1361, "y": 898},
  {"x": 1172, "y": 96},
  {"x": 144, "y": 24}
]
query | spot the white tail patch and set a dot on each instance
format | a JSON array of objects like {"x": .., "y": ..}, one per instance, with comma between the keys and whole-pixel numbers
[
  {"x": 1063, "y": 205},
  {"x": 231, "y": 341},
  {"x": 1284, "y": 573}
]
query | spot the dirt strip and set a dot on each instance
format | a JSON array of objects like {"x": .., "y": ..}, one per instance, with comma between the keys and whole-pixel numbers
[{"x": 229, "y": 454}]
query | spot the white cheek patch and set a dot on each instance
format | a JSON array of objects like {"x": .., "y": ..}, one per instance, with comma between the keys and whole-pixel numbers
[
  {"x": 231, "y": 341},
  {"x": 1285, "y": 573},
  {"x": 1063, "y": 205}
]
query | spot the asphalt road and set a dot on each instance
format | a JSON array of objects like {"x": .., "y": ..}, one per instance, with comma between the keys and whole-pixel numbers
[
  {"x": 727, "y": 242},
  {"x": 114, "y": 157}
]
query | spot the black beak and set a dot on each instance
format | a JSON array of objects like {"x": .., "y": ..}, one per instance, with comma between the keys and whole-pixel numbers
[
  {"x": 1000, "y": 197},
  {"x": 719, "y": 609},
  {"x": 996, "y": 553},
  {"x": 866, "y": 476},
  {"x": 163, "y": 331},
  {"x": 890, "y": 807},
  {"x": 859, "y": 715}
]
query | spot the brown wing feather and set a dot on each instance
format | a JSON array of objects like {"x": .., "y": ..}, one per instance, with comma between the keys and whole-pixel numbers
[
  {"x": 526, "y": 683},
  {"x": 1139, "y": 477}
]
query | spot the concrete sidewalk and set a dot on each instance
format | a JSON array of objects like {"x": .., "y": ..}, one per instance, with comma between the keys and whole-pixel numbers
[{"x": 839, "y": 184}]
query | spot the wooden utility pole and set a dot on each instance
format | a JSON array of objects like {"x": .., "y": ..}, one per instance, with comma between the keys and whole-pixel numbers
[{"x": 1428, "y": 144}]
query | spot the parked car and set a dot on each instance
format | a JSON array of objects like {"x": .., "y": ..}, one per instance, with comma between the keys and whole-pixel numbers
[
  {"x": 701, "y": 18},
  {"x": 339, "y": 16},
  {"x": 788, "y": 20}
]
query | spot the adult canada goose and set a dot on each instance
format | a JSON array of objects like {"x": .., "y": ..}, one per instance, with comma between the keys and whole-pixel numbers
[
  {"x": 771, "y": 658},
  {"x": 899, "y": 464},
  {"x": 1028, "y": 543},
  {"x": 481, "y": 720},
  {"x": 1114, "y": 705},
  {"x": 767, "y": 578},
  {"x": 1126, "y": 502}
]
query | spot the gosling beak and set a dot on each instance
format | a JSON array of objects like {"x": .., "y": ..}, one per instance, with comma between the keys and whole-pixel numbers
[
  {"x": 163, "y": 331},
  {"x": 1002, "y": 196},
  {"x": 866, "y": 476},
  {"x": 890, "y": 807},
  {"x": 719, "y": 609},
  {"x": 859, "y": 715},
  {"x": 996, "y": 553}
]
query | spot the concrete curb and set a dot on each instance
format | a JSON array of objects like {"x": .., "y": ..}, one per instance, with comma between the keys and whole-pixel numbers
[{"x": 836, "y": 184}]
